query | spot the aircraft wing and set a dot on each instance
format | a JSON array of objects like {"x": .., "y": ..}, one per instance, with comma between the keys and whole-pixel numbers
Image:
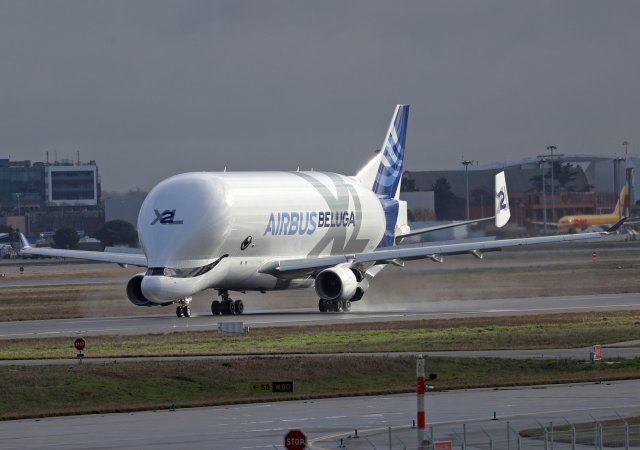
[
  {"x": 2, "y": 235},
  {"x": 501, "y": 217},
  {"x": 417, "y": 231},
  {"x": 398, "y": 254},
  {"x": 133, "y": 259}
]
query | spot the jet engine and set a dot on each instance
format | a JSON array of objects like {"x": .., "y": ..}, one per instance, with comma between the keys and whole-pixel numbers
[
  {"x": 134, "y": 291},
  {"x": 341, "y": 283}
]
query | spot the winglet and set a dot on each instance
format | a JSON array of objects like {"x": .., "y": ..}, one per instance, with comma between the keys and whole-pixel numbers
[
  {"x": 23, "y": 240},
  {"x": 502, "y": 201},
  {"x": 617, "y": 225}
]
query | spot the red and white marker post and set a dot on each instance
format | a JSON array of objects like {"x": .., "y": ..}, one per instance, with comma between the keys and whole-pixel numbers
[{"x": 420, "y": 389}]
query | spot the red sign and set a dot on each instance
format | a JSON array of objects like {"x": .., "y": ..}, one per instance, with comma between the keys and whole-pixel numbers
[
  {"x": 442, "y": 445},
  {"x": 295, "y": 440},
  {"x": 597, "y": 352},
  {"x": 79, "y": 344}
]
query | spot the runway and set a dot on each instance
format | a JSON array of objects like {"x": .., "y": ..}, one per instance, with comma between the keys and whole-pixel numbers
[
  {"x": 168, "y": 322},
  {"x": 326, "y": 421}
]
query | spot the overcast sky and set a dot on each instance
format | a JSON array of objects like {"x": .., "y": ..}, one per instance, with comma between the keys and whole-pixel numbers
[{"x": 153, "y": 88}]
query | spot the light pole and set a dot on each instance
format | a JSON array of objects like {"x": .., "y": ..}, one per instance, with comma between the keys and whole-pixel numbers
[
  {"x": 465, "y": 163},
  {"x": 551, "y": 157},
  {"x": 627, "y": 181},
  {"x": 18, "y": 195},
  {"x": 544, "y": 196},
  {"x": 616, "y": 172},
  {"x": 551, "y": 148}
]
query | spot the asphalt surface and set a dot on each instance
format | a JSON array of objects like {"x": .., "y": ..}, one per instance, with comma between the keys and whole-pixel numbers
[
  {"x": 305, "y": 316},
  {"x": 325, "y": 422}
]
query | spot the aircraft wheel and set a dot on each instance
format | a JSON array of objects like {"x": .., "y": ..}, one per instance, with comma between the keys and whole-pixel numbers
[
  {"x": 179, "y": 311},
  {"x": 231, "y": 307},
  {"x": 346, "y": 306},
  {"x": 322, "y": 305},
  {"x": 239, "y": 306},
  {"x": 186, "y": 311},
  {"x": 216, "y": 308}
]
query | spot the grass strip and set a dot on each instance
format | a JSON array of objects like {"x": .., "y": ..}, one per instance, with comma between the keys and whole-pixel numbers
[
  {"x": 526, "y": 332},
  {"x": 38, "y": 391}
]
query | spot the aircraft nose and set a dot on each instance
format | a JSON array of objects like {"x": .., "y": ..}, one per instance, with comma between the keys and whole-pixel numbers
[{"x": 184, "y": 221}]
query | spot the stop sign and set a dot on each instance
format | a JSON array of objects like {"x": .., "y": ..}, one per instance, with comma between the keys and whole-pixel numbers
[
  {"x": 295, "y": 440},
  {"x": 79, "y": 344}
]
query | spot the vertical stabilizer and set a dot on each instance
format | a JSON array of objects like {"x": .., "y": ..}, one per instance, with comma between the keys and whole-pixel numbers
[
  {"x": 384, "y": 171},
  {"x": 622, "y": 201},
  {"x": 502, "y": 201}
]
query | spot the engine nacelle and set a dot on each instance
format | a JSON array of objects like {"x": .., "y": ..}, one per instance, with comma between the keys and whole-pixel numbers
[
  {"x": 341, "y": 283},
  {"x": 134, "y": 291}
]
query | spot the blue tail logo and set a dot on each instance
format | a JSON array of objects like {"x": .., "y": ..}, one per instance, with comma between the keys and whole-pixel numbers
[{"x": 390, "y": 168}]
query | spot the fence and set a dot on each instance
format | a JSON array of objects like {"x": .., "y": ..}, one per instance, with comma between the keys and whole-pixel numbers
[{"x": 517, "y": 434}]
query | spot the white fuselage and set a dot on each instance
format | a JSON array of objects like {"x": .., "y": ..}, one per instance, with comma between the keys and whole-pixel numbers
[{"x": 243, "y": 221}]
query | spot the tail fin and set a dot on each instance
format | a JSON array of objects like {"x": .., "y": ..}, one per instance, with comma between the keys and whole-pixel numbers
[
  {"x": 502, "y": 201},
  {"x": 384, "y": 171},
  {"x": 622, "y": 201}
]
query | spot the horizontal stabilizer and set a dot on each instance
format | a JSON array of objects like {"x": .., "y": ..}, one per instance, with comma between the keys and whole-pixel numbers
[{"x": 617, "y": 225}]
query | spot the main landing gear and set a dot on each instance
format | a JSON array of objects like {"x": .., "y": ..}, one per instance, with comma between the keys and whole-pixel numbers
[
  {"x": 334, "y": 305},
  {"x": 183, "y": 310},
  {"x": 226, "y": 305}
]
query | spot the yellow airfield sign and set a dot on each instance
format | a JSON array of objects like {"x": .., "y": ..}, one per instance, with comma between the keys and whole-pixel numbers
[{"x": 272, "y": 387}]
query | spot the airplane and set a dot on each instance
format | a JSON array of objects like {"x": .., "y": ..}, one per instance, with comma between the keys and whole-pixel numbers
[
  {"x": 266, "y": 231},
  {"x": 583, "y": 221}
]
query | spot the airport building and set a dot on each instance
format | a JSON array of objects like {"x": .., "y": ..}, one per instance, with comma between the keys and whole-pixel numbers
[
  {"x": 42, "y": 197},
  {"x": 578, "y": 184}
]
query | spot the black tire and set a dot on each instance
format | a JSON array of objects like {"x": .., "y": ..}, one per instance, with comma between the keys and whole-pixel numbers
[
  {"x": 335, "y": 306},
  {"x": 186, "y": 311},
  {"x": 179, "y": 312},
  {"x": 322, "y": 306},
  {"x": 346, "y": 306},
  {"x": 216, "y": 308},
  {"x": 231, "y": 307},
  {"x": 239, "y": 306}
]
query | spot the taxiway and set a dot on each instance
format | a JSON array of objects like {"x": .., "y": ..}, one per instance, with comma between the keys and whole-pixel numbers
[{"x": 325, "y": 422}]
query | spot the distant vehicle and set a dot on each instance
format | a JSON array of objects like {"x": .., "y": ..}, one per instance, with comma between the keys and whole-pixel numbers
[
  {"x": 264, "y": 231},
  {"x": 578, "y": 222}
]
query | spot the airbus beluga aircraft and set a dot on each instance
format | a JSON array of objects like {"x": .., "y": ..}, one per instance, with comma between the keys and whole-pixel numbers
[{"x": 265, "y": 231}]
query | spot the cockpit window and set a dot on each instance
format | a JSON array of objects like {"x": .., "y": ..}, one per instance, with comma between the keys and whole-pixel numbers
[{"x": 182, "y": 273}]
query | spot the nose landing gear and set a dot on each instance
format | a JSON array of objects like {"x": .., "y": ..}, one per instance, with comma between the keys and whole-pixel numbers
[
  {"x": 226, "y": 306},
  {"x": 183, "y": 310}
]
